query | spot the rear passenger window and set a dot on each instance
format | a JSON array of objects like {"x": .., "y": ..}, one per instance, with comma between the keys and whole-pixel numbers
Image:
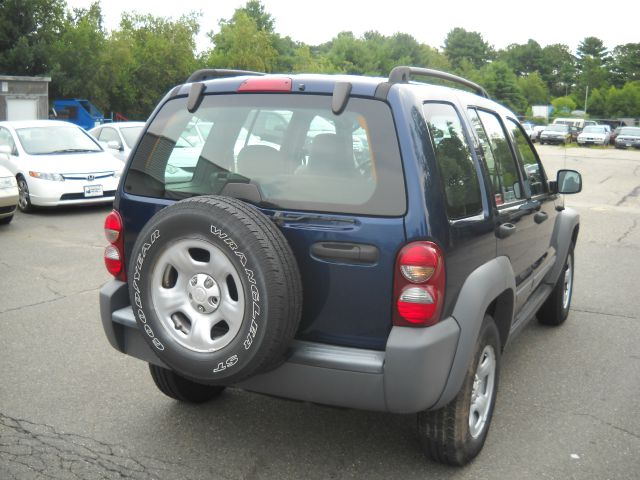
[
  {"x": 455, "y": 162},
  {"x": 534, "y": 177},
  {"x": 498, "y": 157}
]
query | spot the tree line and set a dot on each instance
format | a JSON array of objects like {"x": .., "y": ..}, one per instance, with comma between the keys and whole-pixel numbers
[{"x": 129, "y": 69}]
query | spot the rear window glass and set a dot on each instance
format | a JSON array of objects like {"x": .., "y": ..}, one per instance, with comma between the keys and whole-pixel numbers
[{"x": 296, "y": 152}]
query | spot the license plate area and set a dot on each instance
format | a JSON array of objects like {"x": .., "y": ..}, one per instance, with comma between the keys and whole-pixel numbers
[{"x": 93, "y": 191}]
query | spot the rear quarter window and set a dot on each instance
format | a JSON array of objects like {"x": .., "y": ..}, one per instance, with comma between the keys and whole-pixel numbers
[{"x": 296, "y": 152}]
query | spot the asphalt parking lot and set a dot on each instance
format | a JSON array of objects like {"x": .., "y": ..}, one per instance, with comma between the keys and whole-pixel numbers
[{"x": 72, "y": 407}]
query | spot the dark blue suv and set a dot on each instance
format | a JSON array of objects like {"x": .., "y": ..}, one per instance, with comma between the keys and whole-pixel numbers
[{"x": 351, "y": 241}]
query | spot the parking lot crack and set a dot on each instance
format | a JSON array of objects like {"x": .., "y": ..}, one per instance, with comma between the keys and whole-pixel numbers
[
  {"x": 41, "y": 449},
  {"x": 633, "y": 193},
  {"x": 617, "y": 315},
  {"x": 51, "y": 300},
  {"x": 604, "y": 422},
  {"x": 629, "y": 230}
]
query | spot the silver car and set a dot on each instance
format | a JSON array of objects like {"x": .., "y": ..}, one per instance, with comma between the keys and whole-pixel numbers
[
  {"x": 118, "y": 138},
  {"x": 8, "y": 195}
]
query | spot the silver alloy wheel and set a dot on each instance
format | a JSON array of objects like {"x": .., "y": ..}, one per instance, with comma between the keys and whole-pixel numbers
[
  {"x": 568, "y": 282},
  {"x": 23, "y": 194},
  {"x": 482, "y": 392},
  {"x": 197, "y": 295}
]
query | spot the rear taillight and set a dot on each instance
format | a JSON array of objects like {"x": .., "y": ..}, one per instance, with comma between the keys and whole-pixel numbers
[
  {"x": 419, "y": 285},
  {"x": 114, "y": 253}
]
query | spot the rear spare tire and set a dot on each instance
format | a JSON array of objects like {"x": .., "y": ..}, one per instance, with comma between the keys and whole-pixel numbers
[{"x": 215, "y": 289}]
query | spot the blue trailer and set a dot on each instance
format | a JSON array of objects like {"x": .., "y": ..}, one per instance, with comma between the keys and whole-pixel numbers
[{"x": 79, "y": 111}]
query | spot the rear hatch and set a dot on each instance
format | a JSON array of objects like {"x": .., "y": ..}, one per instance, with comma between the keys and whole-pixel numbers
[{"x": 333, "y": 183}]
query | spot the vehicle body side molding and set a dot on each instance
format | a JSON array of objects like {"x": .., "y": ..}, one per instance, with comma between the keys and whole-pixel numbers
[{"x": 485, "y": 284}]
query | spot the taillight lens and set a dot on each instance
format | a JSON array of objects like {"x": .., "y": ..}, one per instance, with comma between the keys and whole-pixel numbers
[
  {"x": 419, "y": 285},
  {"x": 114, "y": 253}
]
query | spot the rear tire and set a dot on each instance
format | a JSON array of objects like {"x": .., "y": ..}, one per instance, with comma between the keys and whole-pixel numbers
[
  {"x": 456, "y": 433},
  {"x": 182, "y": 389},
  {"x": 555, "y": 309}
]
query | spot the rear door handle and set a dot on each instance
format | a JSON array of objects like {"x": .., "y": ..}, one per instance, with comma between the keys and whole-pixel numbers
[
  {"x": 540, "y": 217},
  {"x": 506, "y": 230},
  {"x": 346, "y": 252}
]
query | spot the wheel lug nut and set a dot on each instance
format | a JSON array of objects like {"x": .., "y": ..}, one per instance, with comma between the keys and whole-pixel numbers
[
  {"x": 208, "y": 283},
  {"x": 194, "y": 281},
  {"x": 200, "y": 308},
  {"x": 213, "y": 301}
]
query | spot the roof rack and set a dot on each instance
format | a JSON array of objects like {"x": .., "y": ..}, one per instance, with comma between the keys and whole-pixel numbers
[
  {"x": 210, "y": 73},
  {"x": 403, "y": 75}
]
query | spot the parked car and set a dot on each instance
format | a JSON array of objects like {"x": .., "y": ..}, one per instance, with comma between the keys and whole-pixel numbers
[
  {"x": 307, "y": 270},
  {"x": 529, "y": 128},
  {"x": 8, "y": 195},
  {"x": 614, "y": 135},
  {"x": 57, "y": 163},
  {"x": 538, "y": 129},
  {"x": 557, "y": 133},
  {"x": 594, "y": 135},
  {"x": 628, "y": 137},
  {"x": 118, "y": 138}
]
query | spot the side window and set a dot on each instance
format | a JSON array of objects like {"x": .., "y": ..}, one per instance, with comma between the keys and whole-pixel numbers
[
  {"x": 505, "y": 179},
  {"x": 109, "y": 135},
  {"x": 7, "y": 139},
  {"x": 454, "y": 159},
  {"x": 534, "y": 176}
]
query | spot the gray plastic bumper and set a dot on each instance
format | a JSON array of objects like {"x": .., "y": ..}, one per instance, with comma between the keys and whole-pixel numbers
[{"x": 409, "y": 376}]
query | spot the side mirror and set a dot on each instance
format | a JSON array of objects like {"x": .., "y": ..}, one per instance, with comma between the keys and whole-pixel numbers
[
  {"x": 115, "y": 145},
  {"x": 569, "y": 181}
]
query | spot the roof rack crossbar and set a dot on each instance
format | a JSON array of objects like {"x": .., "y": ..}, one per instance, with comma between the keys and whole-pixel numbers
[
  {"x": 210, "y": 73},
  {"x": 403, "y": 74}
]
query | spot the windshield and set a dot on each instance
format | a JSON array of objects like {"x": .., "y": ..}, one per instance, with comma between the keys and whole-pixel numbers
[
  {"x": 291, "y": 151},
  {"x": 53, "y": 139},
  {"x": 630, "y": 131},
  {"x": 131, "y": 134},
  {"x": 557, "y": 128},
  {"x": 593, "y": 129}
]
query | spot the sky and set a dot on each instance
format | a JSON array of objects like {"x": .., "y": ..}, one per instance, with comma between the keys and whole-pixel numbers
[{"x": 499, "y": 22}]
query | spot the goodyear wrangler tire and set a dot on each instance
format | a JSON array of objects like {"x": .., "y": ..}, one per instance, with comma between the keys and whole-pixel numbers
[{"x": 215, "y": 289}]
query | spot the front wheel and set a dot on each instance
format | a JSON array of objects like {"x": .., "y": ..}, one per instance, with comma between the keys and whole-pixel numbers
[
  {"x": 456, "y": 433},
  {"x": 555, "y": 310},
  {"x": 24, "y": 200},
  {"x": 182, "y": 389}
]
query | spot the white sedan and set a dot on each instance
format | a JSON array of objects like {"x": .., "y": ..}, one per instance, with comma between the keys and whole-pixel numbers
[
  {"x": 57, "y": 163},
  {"x": 118, "y": 138},
  {"x": 594, "y": 135}
]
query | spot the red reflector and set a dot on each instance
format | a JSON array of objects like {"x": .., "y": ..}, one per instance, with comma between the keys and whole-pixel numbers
[
  {"x": 417, "y": 312},
  {"x": 112, "y": 260},
  {"x": 266, "y": 84}
]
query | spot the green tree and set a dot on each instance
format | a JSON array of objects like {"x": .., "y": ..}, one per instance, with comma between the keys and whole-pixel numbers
[
  {"x": 77, "y": 57},
  {"x": 523, "y": 59},
  {"x": 501, "y": 83},
  {"x": 563, "y": 105},
  {"x": 558, "y": 69},
  {"x": 625, "y": 64},
  {"x": 461, "y": 44},
  {"x": 624, "y": 102},
  {"x": 145, "y": 58},
  {"x": 597, "y": 104},
  {"x": 256, "y": 10},
  {"x": 592, "y": 63},
  {"x": 28, "y": 28},
  {"x": 534, "y": 89},
  {"x": 240, "y": 44}
]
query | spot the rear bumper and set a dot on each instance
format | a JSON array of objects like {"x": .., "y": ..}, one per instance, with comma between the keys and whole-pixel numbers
[{"x": 408, "y": 377}]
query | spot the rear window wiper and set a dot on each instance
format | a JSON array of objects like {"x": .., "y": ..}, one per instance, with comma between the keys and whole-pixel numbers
[
  {"x": 280, "y": 218},
  {"x": 73, "y": 150}
]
